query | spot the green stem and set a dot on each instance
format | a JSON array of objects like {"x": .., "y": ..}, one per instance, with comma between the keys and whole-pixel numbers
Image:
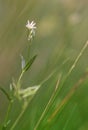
[
  {"x": 7, "y": 114},
  {"x": 77, "y": 58},
  {"x": 48, "y": 104},
  {"x": 20, "y": 77},
  {"x": 6, "y": 121},
  {"x": 19, "y": 80},
  {"x": 18, "y": 118}
]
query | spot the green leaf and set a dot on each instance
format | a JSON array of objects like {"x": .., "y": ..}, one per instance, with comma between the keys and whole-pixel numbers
[{"x": 29, "y": 63}]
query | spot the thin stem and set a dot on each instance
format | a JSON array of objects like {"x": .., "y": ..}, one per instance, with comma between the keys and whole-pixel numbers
[
  {"x": 20, "y": 77},
  {"x": 20, "y": 115},
  {"x": 7, "y": 114},
  {"x": 9, "y": 107},
  {"x": 28, "y": 51},
  {"x": 19, "y": 81},
  {"x": 48, "y": 104},
  {"x": 51, "y": 98},
  {"x": 78, "y": 57}
]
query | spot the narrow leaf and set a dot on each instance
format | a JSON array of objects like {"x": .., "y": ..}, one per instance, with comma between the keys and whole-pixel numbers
[
  {"x": 5, "y": 92},
  {"x": 29, "y": 63}
]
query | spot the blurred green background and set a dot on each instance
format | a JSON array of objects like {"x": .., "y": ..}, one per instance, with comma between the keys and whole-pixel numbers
[{"x": 62, "y": 30}]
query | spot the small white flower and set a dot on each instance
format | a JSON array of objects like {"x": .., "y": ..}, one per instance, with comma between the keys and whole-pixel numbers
[{"x": 31, "y": 27}]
